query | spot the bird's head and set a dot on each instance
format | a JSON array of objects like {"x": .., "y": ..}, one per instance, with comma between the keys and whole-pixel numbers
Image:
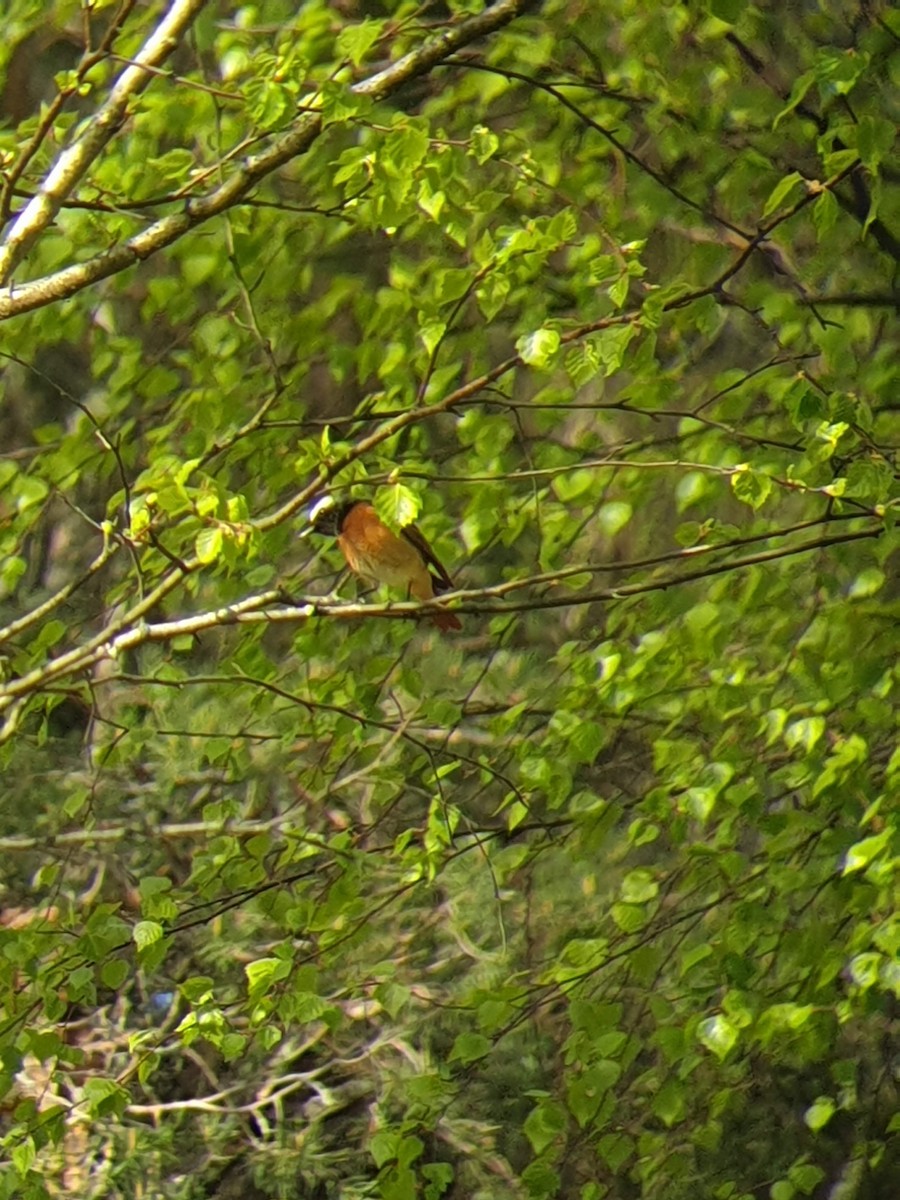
[{"x": 327, "y": 516}]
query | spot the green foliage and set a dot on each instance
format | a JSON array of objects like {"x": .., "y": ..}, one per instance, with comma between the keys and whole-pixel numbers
[{"x": 597, "y": 897}]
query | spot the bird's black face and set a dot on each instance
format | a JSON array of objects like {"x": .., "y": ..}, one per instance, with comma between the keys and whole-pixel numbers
[{"x": 329, "y": 519}]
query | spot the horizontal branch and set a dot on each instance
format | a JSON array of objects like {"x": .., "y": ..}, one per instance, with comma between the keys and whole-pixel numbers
[
  {"x": 471, "y": 600},
  {"x": 269, "y": 608},
  {"x": 105, "y": 644},
  {"x": 172, "y": 831}
]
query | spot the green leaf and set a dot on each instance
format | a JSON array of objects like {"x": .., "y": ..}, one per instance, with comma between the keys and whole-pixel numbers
[
  {"x": 837, "y": 70},
  {"x": 875, "y": 137},
  {"x": 544, "y": 1124},
  {"x": 393, "y": 997},
  {"x": 750, "y": 486},
  {"x": 232, "y": 1046},
  {"x": 383, "y": 1146},
  {"x": 355, "y": 41},
  {"x": 828, "y": 435},
  {"x": 539, "y": 348},
  {"x": 805, "y": 1177},
  {"x": 805, "y": 733},
  {"x": 23, "y": 1155},
  {"x": 484, "y": 142},
  {"x": 614, "y": 516},
  {"x": 469, "y": 1047},
  {"x": 862, "y": 853},
  {"x": 114, "y": 973},
  {"x": 629, "y": 917},
  {"x": 865, "y": 969},
  {"x": 839, "y": 160},
  {"x": 788, "y": 1016},
  {"x": 569, "y": 485},
  {"x": 539, "y": 1177},
  {"x": 695, "y": 955},
  {"x": 339, "y": 103},
  {"x": 28, "y": 491},
  {"x": 585, "y": 740},
  {"x": 198, "y": 989},
  {"x": 692, "y": 488},
  {"x": 432, "y": 334},
  {"x": 397, "y": 505},
  {"x": 618, "y": 291},
  {"x": 585, "y": 1092},
  {"x": 670, "y": 1103},
  {"x": 867, "y": 583},
  {"x": 104, "y": 1097},
  {"x": 819, "y": 1113},
  {"x": 616, "y": 1149},
  {"x": 264, "y": 973},
  {"x": 582, "y": 363},
  {"x": 688, "y": 533},
  {"x": 611, "y": 344},
  {"x": 146, "y": 933},
  {"x": 51, "y": 633},
  {"x": 718, "y": 1035},
  {"x": 174, "y": 165},
  {"x": 438, "y": 1178},
  {"x": 727, "y": 10},
  {"x": 208, "y": 544},
  {"x": 431, "y": 202},
  {"x": 781, "y": 191},
  {"x": 639, "y": 886},
  {"x": 826, "y": 211},
  {"x": 869, "y": 481}
]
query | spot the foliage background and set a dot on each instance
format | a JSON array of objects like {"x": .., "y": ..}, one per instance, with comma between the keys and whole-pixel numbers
[{"x": 596, "y": 898}]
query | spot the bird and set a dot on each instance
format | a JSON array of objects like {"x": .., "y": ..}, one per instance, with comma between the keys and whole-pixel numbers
[{"x": 374, "y": 552}]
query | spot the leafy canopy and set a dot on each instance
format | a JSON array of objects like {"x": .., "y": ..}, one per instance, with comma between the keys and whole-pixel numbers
[{"x": 300, "y": 897}]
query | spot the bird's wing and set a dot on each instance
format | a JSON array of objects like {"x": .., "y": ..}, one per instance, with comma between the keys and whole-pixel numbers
[{"x": 415, "y": 538}]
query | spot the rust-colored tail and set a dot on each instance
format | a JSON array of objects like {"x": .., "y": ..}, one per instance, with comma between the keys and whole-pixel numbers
[{"x": 445, "y": 621}]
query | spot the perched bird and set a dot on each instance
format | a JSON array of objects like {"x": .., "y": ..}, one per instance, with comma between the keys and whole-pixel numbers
[{"x": 374, "y": 552}]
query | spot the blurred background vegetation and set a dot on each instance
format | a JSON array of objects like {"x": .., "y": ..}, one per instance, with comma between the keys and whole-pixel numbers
[{"x": 596, "y": 898}]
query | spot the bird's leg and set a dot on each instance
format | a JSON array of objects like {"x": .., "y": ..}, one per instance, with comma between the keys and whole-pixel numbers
[{"x": 333, "y": 595}]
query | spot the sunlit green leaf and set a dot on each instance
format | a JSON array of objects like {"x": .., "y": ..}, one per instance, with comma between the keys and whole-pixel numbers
[{"x": 538, "y": 349}]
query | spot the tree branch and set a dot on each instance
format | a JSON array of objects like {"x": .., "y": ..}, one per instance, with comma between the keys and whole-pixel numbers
[
  {"x": 52, "y": 111},
  {"x": 257, "y": 610},
  {"x": 254, "y": 168},
  {"x": 77, "y": 158}
]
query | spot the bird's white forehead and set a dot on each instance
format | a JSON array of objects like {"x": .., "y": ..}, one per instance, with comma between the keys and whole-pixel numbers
[{"x": 321, "y": 506}]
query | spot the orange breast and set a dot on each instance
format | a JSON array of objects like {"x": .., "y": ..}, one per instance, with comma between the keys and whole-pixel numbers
[{"x": 375, "y": 552}]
